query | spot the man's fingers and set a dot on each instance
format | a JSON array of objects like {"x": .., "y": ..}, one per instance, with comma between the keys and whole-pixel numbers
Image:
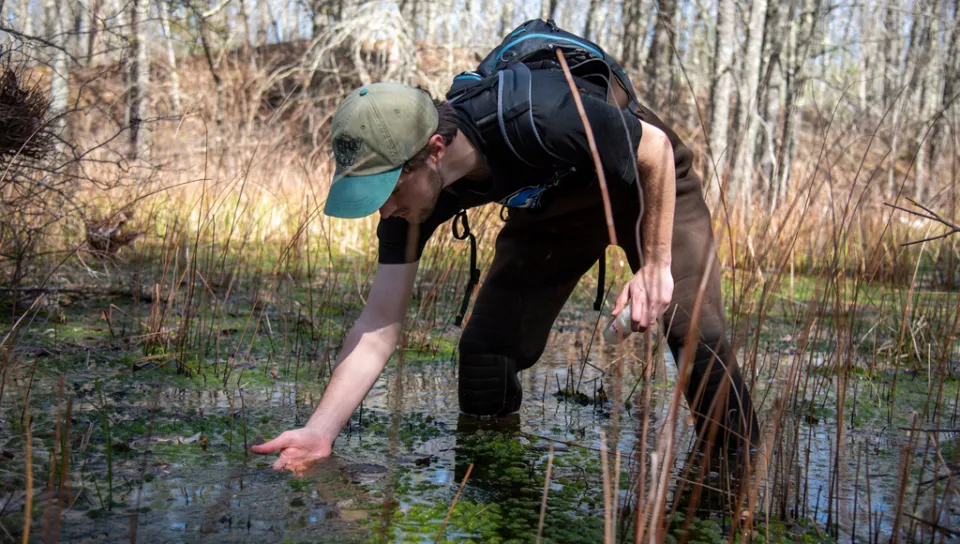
[
  {"x": 622, "y": 299},
  {"x": 272, "y": 446},
  {"x": 639, "y": 314}
]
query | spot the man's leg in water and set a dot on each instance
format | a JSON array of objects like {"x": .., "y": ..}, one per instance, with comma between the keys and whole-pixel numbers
[
  {"x": 716, "y": 391},
  {"x": 539, "y": 260}
]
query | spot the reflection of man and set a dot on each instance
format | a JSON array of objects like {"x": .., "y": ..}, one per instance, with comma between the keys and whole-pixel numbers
[{"x": 419, "y": 163}]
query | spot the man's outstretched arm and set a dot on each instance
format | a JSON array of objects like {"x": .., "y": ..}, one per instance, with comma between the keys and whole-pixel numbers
[
  {"x": 651, "y": 289},
  {"x": 368, "y": 346}
]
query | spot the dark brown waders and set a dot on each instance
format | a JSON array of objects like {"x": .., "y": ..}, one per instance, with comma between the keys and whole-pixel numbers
[{"x": 540, "y": 257}]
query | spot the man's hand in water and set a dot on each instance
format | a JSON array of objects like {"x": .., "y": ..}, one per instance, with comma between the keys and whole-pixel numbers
[{"x": 298, "y": 449}]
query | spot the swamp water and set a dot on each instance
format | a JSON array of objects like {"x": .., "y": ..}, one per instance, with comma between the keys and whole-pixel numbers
[{"x": 175, "y": 469}]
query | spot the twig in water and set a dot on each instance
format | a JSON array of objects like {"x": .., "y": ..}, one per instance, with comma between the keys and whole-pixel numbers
[
  {"x": 607, "y": 502},
  {"x": 28, "y": 462},
  {"x": 26, "y": 398},
  {"x": 546, "y": 489},
  {"x": 443, "y": 526},
  {"x": 64, "y": 470},
  {"x": 243, "y": 422},
  {"x": 907, "y": 456},
  {"x": 109, "y": 445}
]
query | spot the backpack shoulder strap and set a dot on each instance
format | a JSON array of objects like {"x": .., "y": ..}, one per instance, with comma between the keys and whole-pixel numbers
[{"x": 515, "y": 118}]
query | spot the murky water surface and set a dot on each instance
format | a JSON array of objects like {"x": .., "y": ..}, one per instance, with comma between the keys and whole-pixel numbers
[{"x": 177, "y": 471}]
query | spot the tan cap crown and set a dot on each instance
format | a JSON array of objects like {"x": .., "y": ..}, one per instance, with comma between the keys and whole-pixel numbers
[{"x": 380, "y": 126}]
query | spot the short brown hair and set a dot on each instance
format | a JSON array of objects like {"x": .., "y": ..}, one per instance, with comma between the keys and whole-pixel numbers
[{"x": 447, "y": 128}]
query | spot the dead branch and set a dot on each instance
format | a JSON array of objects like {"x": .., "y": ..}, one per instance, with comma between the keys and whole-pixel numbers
[{"x": 930, "y": 215}]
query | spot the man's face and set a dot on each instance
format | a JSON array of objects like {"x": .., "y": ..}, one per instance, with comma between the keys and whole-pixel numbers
[{"x": 416, "y": 194}]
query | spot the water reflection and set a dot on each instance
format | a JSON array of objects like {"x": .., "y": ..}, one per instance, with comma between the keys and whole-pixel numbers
[{"x": 412, "y": 448}]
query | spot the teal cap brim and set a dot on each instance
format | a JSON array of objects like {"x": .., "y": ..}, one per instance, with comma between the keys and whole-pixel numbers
[{"x": 352, "y": 197}]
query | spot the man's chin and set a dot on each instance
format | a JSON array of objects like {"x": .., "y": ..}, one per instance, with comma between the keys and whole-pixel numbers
[{"x": 419, "y": 218}]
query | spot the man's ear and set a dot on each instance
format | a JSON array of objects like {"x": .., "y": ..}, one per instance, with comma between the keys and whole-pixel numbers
[{"x": 437, "y": 146}]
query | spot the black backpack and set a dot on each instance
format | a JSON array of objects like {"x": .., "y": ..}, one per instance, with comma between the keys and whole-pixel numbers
[{"x": 534, "y": 44}]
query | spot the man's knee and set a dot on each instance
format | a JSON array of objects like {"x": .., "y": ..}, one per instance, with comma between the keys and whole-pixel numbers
[{"x": 488, "y": 384}]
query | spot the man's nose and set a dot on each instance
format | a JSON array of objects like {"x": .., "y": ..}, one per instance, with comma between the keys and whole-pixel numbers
[{"x": 388, "y": 208}]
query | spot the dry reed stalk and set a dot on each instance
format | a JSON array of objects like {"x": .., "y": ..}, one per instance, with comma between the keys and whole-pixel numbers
[
  {"x": 5, "y": 369},
  {"x": 762, "y": 469},
  {"x": 608, "y": 536},
  {"x": 866, "y": 470},
  {"x": 919, "y": 489},
  {"x": 243, "y": 422},
  {"x": 28, "y": 469},
  {"x": 669, "y": 428},
  {"x": 443, "y": 526},
  {"x": 948, "y": 488},
  {"x": 546, "y": 489},
  {"x": 907, "y": 310},
  {"x": 907, "y": 456},
  {"x": 652, "y": 499},
  {"x": 64, "y": 470},
  {"x": 616, "y": 491},
  {"x": 48, "y": 513},
  {"x": 644, "y": 427},
  {"x": 236, "y": 353},
  {"x": 597, "y": 163},
  {"x": 26, "y": 398},
  {"x": 948, "y": 339}
]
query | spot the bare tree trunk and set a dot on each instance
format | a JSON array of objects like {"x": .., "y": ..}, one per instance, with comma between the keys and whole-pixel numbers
[
  {"x": 140, "y": 77},
  {"x": 802, "y": 36},
  {"x": 747, "y": 114},
  {"x": 24, "y": 16},
  {"x": 891, "y": 35},
  {"x": 948, "y": 64},
  {"x": 698, "y": 54},
  {"x": 551, "y": 11},
  {"x": 922, "y": 49},
  {"x": 659, "y": 62},
  {"x": 93, "y": 38},
  {"x": 58, "y": 22},
  {"x": 790, "y": 87},
  {"x": 244, "y": 25},
  {"x": 506, "y": 17},
  {"x": 217, "y": 81},
  {"x": 631, "y": 32},
  {"x": 263, "y": 22},
  {"x": 592, "y": 15},
  {"x": 76, "y": 26},
  {"x": 720, "y": 99},
  {"x": 892, "y": 82},
  {"x": 283, "y": 22},
  {"x": 865, "y": 93},
  {"x": 162, "y": 7},
  {"x": 430, "y": 24},
  {"x": 612, "y": 35},
  {"x": 773, "y": 93}
]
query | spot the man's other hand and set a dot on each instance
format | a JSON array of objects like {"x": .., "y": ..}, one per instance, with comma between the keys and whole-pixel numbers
[
  {"x": 649, "y": 293},
  {"x": 299, "y": 449}
]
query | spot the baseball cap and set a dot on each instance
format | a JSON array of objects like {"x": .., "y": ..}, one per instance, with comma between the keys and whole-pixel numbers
[{"x": 376, "y": 129}]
